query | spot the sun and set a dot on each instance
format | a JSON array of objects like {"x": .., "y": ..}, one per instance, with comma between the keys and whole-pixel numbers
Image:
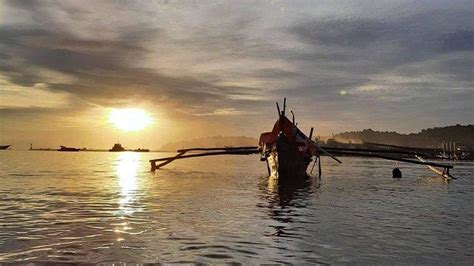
[{"x": 130, "y": 119}]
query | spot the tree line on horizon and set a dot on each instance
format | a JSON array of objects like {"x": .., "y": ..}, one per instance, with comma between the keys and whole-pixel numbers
[{"x": 431, "y": 137}]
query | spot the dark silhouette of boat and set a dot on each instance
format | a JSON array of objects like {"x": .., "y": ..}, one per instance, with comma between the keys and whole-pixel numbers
[
  {"x": 141, "y": 150},
  {"x": 117, "y": 147},
  {"x": 4, "y": 147},
  {"x": 64, "y": 148},
  {"x": 287, "y": 150}
]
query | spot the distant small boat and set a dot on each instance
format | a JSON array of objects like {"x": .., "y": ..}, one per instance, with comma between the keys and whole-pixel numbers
[
  {"x": 4, "y": 147},
  {"x": 117, "y": 147},
  {"x": 64, "y": 148},
  {"x": 141, "y": 150}
]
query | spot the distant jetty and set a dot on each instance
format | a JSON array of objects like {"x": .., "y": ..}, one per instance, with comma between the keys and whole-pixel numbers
[{"x": 40, "y": 149}]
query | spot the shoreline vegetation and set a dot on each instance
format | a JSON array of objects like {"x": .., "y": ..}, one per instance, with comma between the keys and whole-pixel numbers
[{"x": 426, "y": 138}]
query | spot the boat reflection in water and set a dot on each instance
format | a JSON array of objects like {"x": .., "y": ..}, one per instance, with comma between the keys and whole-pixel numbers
[
  {"x": 127, "y": 170},
  {"x": 287, "y": 199}
]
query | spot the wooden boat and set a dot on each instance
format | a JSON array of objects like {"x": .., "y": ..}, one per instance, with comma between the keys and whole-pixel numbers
[
  {"x": 285, "y": 160},
  {"x": 288, "y": 152},
  {"x": 64, "y": 148},
  {"x": 4, "y": 147}
]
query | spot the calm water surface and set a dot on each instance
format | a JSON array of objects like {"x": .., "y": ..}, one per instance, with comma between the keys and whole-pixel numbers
[{"x": 106, "y": 207}]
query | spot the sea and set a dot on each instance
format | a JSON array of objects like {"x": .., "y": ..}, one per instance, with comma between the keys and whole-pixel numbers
[{"x": 104, "y": 207}]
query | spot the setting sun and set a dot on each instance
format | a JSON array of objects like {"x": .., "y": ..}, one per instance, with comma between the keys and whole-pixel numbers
[{"x": 130, "y": 119}]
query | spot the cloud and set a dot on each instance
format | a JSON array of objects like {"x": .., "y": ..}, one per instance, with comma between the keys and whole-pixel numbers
[{"x": 203, "y": 59}]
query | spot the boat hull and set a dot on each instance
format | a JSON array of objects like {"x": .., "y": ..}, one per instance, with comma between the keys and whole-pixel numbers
[
  {"x": 141, "y": 150},
  {"x": 64, "y": 148},
  {"x": 286, "y": 162}
]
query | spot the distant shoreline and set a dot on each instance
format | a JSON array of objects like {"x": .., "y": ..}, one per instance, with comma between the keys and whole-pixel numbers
[
  {"x": 99, "y": 150},
  {"x": 92, "y": 150}
]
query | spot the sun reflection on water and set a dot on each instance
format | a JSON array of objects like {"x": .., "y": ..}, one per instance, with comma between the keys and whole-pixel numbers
[{"x": 127, "y": 169}]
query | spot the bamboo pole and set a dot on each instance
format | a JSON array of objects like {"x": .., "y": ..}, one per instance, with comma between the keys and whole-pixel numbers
[
  {"x": 444, "y": 174},
  {"x": 325, "y": 152},
  {"x": 447, "y": 166},
  {"x": 218, "y": 149},
  {"x": 336, "y": 149},
  {"x": 402, "y": 147},
  {"x": 169, "y": 160},
  {"x": 181, "y": 155}
]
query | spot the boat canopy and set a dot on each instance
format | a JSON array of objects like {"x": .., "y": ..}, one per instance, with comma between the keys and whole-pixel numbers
[{"x": 293, "y": 134}]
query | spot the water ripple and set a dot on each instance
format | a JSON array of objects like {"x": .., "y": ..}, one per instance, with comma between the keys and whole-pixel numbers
[{"x": 106, "y": 208}]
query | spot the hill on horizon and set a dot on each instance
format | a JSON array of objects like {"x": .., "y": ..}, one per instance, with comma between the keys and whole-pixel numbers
[{"x": 431, "y": 137}]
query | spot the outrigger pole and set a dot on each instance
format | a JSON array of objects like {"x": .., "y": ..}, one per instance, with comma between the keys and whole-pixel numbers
[
  {"x": 373, "y": 153},
  {"x": 213, "y": 151},
  {"x": 219, "y": 149},
  {"x": 392, "y": 158},
  {"x": 248, "y": 150}
]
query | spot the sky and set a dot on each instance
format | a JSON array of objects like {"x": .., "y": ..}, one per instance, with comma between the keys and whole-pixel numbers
[{"x": 206, "y": 68}]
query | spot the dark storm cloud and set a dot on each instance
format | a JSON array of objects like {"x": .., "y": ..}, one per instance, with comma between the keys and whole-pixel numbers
[
  {"x": 412, "y": 47},
  {"x": 64, "y": 53},
  {"x": 458, "y": 41},
  {"x": 108, "y": 71},
  {"x": 389, "y": 43},
  {"x": 102, "y": 68},
  {"x": 327, "y": 89},
  {"x": 342, "y": 32},
  {"x": 276, "y": 73}
]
